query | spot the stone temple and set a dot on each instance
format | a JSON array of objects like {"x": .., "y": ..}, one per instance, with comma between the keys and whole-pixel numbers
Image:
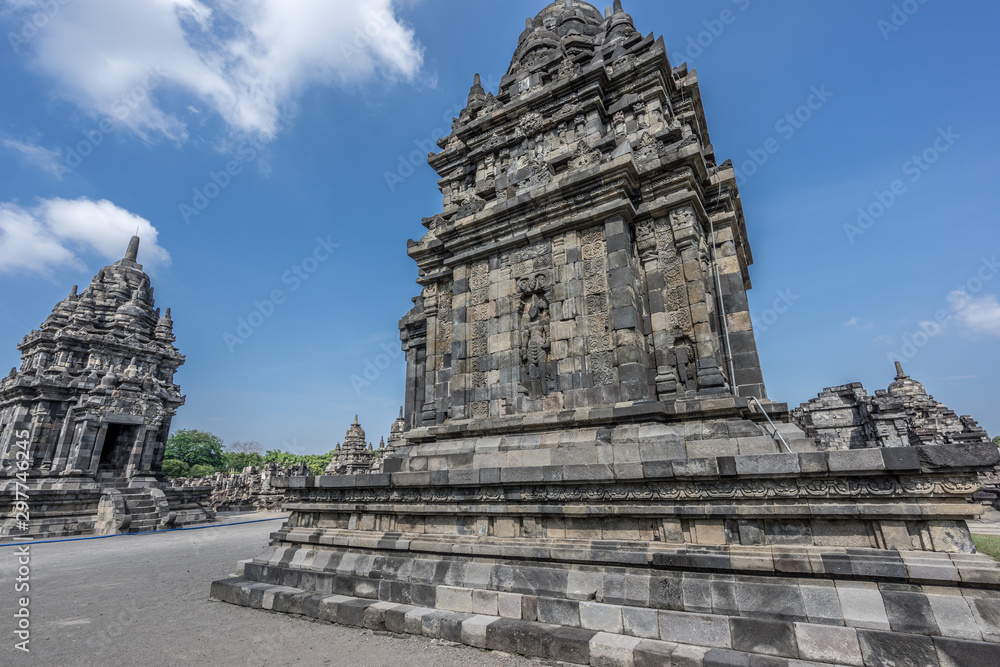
[
  {"x": 589, "y": 471},
  {"x": 88, "y": 414},
  {"x": 354, "y": 456}
]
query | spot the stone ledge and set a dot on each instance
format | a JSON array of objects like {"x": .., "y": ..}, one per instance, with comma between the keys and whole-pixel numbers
[
  {"x": 924, "y": 460},
  {"x": 861, "y": 564},
  {"x": 798, "y": 645}
]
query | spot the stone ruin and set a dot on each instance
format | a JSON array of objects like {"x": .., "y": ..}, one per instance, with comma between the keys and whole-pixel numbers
[
  {"x": 84, "y": 421},
  {"x": 248, "y": 491},
  {"x": 904, "y": 415},
  {"x": 592, "y": 472},
  {"x": 253, "y": 488}
]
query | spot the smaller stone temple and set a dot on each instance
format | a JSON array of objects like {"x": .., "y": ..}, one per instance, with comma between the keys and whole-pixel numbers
[
  {"x": 904, "y": 415},
  {"x": 355, "y": 456},
  {"x": 85, "y": 420}
]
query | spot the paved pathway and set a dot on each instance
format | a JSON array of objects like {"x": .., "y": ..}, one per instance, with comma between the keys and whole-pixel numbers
[{"x": 143, "y": 600}]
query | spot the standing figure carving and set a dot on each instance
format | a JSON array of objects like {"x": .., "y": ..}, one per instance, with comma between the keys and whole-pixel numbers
[{"x": 535, "y": 342}]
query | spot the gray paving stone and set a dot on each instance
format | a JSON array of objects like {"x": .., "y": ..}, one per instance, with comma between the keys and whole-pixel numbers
[
  {"x": 700, "y": 629},
  {"x": 753, "y": 635},
  {"x": 827, "y": 643},
  {"x": 898, "y": 650}
]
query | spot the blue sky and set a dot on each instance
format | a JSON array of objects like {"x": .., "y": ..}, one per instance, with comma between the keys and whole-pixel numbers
[{"x": 310, "y": 120}]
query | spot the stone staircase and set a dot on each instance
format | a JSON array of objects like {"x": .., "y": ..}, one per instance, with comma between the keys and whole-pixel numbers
[{"x": 143, "y": 509}]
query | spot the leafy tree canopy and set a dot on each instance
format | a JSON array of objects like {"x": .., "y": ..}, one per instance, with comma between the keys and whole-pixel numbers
[
  {"x": 174, "y": 468},
  {"x": 202, "y": 470},
  {"x": 195, "y": 448}
]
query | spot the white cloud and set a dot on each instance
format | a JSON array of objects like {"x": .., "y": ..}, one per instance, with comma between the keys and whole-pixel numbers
[
  {"x": 53, "y": 234},
  {"x": 979, "y": 314},
  {"x": 858, "y": 324},
  {"x": 245, "y": 59},
  {"x": 44, "y": 158}
]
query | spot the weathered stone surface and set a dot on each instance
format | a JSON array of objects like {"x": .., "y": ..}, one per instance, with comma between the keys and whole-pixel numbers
[
  {"x": 754, "y": 635},
  {"x": 700, "y": 629},
  {"x": 862, "y": 605},
  {"x": 611, "y": 650},
  {"x": 828, "y": 643},
  {"x": 958, "y": 653},
  {"x": 884, "y": 648}
]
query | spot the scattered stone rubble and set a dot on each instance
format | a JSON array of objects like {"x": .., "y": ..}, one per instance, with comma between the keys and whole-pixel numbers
[
  {"x": 589, "y": 471},
  {"x": 250, "y": 490},
  {"x": 93, "y": 401},
  {"x": 253, "y": 489}
]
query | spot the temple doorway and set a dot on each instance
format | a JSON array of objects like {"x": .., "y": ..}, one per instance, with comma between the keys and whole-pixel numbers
[{"x": 118, "y": 442}]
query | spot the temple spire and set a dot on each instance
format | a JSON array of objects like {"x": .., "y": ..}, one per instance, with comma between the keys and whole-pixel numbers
[
  {"x": 477, "y": 93},
  {"x": 133, "y": 249},
  {"x": 900, "y": 375}
]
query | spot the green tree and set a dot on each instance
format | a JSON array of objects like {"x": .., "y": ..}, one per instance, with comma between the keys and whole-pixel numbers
[
  {"x": 243, "y": 454},
  {"x": 996, "y": 440},
  {"x": 174, "y": 468},
  {"x": 195, "y": 448},
  {"x": 202, "y": 470}
]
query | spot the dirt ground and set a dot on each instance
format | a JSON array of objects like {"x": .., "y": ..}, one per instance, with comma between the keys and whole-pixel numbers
[{"x": 143, "y": 600}]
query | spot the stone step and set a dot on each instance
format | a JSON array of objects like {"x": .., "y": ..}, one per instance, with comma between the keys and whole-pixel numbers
[
  {"x": 143, "y": 505},
  {"x": 605, "y": 640},
  {"x": 143, "y": 526}
]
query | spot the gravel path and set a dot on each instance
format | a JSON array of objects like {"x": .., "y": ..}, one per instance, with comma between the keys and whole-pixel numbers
[{"x": 143, "y": 600}]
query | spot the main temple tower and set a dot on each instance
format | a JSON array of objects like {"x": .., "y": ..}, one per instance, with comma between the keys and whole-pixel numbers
[
  {"x": 590, "y": 470},
  {"x": 592, "y": 251}
]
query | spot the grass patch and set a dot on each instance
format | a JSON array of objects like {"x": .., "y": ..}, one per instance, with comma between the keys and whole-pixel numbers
[{"x": 987, "y": 544}]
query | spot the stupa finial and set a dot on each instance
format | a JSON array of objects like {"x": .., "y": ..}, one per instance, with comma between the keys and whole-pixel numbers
[{"x": 133, "y": 249}]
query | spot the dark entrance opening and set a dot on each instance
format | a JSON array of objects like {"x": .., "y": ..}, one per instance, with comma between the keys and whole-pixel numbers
[{"x": 118, "y": 443}]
